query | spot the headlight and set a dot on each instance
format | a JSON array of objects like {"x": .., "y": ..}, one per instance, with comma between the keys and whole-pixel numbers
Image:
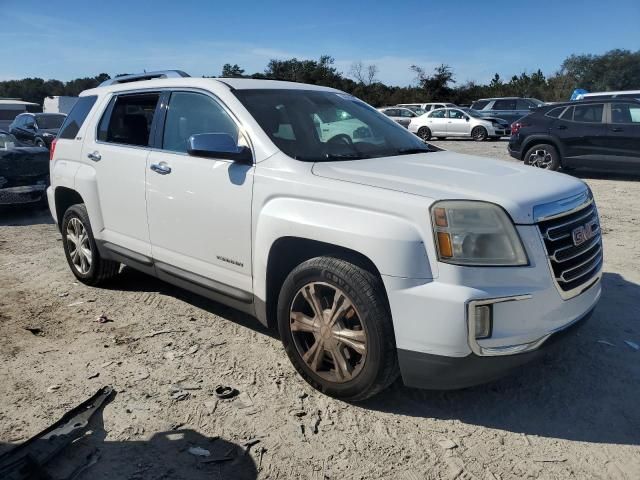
[{"x": 475, "y": 233}]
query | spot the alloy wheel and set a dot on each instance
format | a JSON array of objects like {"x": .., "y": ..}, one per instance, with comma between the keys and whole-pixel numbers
[
  {"x": 328, "y": 332},
  {"x": 540, "y": 158},
  {"x": 79, "y": 246}
]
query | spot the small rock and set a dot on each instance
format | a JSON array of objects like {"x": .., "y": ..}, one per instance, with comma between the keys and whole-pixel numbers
[
  {"x": 448, "y": 444},
  {"x": 103, "y": 319},
  {"x": 94, "y": 375},
  {"x": 193, "y": 349},
  {"x": 53, "y": 388}
]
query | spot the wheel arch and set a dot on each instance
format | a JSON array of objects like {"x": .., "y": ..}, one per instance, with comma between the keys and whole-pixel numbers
[
  {"x": 288, "y": 252},
  {"x": 65, "y": 197},
  {"x": 531, "y": 141}
]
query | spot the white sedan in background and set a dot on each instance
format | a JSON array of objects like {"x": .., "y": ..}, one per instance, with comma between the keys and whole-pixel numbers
[
  {"x": 401, "y": 115},
  {"x": 458, "y": 122}
]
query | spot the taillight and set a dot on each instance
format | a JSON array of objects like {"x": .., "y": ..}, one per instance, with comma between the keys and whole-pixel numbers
[
  {"x": 52, "y": 149},
  {"x": 515, "y": 127}
]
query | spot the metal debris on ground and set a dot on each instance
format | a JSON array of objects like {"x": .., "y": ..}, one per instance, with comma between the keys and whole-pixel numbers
[
  {"x": 223, "y": 392},
  {"x": 29, "y": 459}
]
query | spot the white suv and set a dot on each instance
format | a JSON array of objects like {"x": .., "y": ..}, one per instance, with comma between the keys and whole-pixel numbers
[{"x": 375, "y": 254}]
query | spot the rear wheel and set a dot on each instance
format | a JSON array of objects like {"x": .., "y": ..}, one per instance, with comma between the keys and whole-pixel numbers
[
  {"x": 479, "y": 134},
  {"x": 336, "y": 328},
  {"x": 424, "y": 133},
  {"x": 81, "y": 250},
  {"x": 543, "y": 156}
]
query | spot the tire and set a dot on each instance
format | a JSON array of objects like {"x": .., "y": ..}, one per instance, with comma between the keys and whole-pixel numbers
[
  {"x": 38, "y": 142},
  {"x": 479, "y": 134},
  {"x": 424, "y": 133},
  {"x": 87, "y": 265},
  {"x": 543, "y": 156},
  {"x": 368, "y": 358}
]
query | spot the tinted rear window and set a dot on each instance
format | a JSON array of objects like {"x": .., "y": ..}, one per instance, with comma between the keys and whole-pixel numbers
[
  {"x": 555, "y": 112},
  {"x": 76, "y": 117},
  {"x": 479, "y": 105}
]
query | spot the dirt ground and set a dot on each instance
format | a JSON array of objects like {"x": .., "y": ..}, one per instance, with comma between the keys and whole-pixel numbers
[{"x": 574, "y": 415}]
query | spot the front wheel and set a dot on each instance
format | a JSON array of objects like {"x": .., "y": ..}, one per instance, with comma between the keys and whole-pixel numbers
[
  {"x": 336, "y": 328},
  {"x": 543, "y": 156},
  {"x": 81, "y": 250},
  {"x": 479, "y": 134}
]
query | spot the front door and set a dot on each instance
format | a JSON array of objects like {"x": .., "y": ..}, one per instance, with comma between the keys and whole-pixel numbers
[
  {"x": 118, "y": 154},
  {"x": 199, "y": 209},
  {"x": 457, "y": 123},
  {"x": 622, "y": 136}
]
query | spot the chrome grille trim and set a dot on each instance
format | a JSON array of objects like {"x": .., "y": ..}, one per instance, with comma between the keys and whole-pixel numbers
[{"x": 574, "y": 268}]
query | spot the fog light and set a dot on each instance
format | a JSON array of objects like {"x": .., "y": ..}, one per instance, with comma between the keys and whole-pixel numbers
[{"x": 483, "y": 321}]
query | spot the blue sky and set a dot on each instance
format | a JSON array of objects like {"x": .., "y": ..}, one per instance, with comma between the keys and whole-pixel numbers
[{"x": 69, "y": 39}]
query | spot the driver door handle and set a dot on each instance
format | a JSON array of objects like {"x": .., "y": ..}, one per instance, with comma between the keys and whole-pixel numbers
[
  {"x": 161, "y": 168},
  {"x": 95, "y": 156}
]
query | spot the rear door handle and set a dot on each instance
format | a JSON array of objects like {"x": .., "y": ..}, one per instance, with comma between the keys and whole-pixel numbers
[
  {"x": 616, "y": 129},
  {"x": 95, "y": 156},
  {"x": 562, "y": 127},
  {"x": 161, "y": 168}
]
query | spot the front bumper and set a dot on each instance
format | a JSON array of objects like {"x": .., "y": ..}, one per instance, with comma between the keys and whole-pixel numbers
[
  {"x": 437, "y": 372},
  {"x": 22, "y": 195}
]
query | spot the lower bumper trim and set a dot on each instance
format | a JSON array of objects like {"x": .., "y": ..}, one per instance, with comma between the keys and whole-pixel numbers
[{"x": 437, "y": 372}]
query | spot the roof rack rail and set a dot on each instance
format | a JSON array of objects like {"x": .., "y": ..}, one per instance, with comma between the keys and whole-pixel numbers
[{"x": 138, "y": 77}]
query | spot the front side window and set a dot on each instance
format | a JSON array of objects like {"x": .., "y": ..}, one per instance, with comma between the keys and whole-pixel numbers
[
  {"x": 77, "y": 116},
  {"x": 191, "y": 113},
  {"x": 625, "y": 113},
  {"x": 588, "y": 113},
  {"x": 456, "y": 114},
  {"x": 317, "y": 126},
  {"x": 128, "y": 119}
]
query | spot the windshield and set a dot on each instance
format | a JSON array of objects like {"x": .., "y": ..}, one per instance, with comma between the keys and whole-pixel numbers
[
  {"x": 50, "y": 121},
  {"x": 320, "y": 125}
]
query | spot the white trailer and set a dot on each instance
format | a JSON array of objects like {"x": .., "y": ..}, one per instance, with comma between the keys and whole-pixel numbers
[{"x": 58, "y": 104}]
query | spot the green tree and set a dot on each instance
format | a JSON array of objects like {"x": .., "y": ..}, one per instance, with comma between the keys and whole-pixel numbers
[{"x": 230, "y": 71}]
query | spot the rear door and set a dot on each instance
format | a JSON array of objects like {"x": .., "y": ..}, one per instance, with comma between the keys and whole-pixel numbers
[
  {"x": 581, "y": 129},
  {"x": 437, "y": 122},
  {"x": 118, "y": 152},
  {"x": 622, "y": 135}
]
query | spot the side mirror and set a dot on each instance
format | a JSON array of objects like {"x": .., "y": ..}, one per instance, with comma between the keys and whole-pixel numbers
[
  {"x": 466, "y": 118},
  {"x": 218, "y": 145}
]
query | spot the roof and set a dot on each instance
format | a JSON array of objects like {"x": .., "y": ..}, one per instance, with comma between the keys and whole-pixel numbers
[
  {"x": 14, "y": 101},
  {"x": 232, "y": 83}
]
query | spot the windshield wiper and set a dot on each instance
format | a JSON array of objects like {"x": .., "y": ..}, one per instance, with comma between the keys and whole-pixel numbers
[
  {"x": 346, "y": 156},
  {"x": 408, "y": 151}
]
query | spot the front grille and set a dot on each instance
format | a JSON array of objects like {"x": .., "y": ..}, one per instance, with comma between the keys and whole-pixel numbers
[{"x": 573, "y": 266}]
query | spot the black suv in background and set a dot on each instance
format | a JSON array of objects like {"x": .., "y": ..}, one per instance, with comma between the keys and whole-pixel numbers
[
  {"x": 37, "y": 129},
  {"x": 600, "y": 134},
  {"x": 507, "y": 108}
]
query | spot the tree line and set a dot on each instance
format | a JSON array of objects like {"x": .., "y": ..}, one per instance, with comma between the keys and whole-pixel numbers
[{"x": 614, "y": 70}]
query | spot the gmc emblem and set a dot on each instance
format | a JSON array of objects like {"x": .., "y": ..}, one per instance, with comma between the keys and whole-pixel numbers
[{"x": 584, "y": 232}]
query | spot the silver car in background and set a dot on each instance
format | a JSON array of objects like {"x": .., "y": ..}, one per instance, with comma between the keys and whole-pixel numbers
[
  {"x": 403, "y": 116},
  {"x": 458, "y": 122}
]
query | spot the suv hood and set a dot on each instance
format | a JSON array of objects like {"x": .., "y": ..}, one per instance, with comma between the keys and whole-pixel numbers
[{"x": 448, "y": 175}]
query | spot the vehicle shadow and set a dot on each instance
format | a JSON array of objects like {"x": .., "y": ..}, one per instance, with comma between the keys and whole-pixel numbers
[
  {"x": 23, "y": 215},
  {"x": 163, "y": 455},
  {"x": 585, "y": 390},
  {"x": 131, "y": 280},
  {"x": 602, "y": 175}
]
